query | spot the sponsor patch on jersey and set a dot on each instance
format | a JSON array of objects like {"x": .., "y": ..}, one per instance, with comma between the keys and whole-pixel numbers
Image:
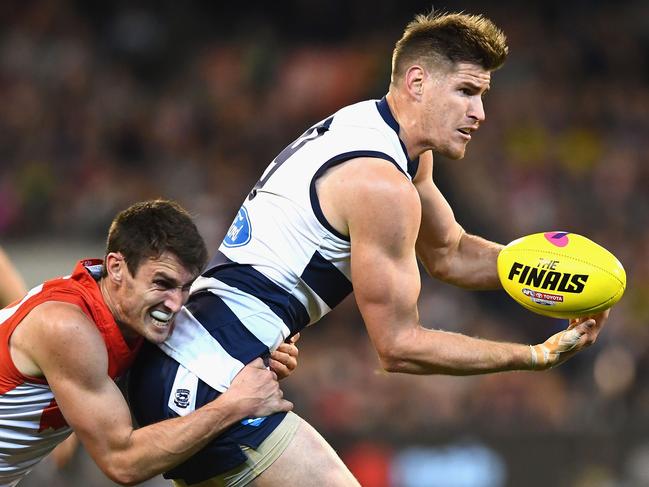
[
  {"x": 182, "y": 399},
  {"x": 253, "y": 421},
  {"x": 240, "y": 231}
]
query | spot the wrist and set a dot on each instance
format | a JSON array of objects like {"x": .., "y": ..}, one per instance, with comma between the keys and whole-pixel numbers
[
  {"x": 228, "y": 407},
  {"x": 534, "y": 358}
]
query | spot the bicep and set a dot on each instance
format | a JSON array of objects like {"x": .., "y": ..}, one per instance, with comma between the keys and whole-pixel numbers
[
  {"x": 384, "y": 265},
  {"x": 439, "y": 228}
]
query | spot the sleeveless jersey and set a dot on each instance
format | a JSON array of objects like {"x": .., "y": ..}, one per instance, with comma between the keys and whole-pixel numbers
[
  {"x": 31, "y": 424},
  {"x": 281, "y": 266}
]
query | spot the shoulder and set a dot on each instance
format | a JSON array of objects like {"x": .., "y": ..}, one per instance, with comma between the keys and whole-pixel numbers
[
  {"x": 370, "y": 175},
  {"x": 59, "y": 334},
  {"x": 368, "y": 191},
  {"x": 62, "y": 317},
  {"x": 379, "y": 185},
  {"x": 382, "y": 202}
]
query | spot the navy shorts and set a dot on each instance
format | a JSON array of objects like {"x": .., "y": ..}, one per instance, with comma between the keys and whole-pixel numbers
[{"x": 150, "y": 382}]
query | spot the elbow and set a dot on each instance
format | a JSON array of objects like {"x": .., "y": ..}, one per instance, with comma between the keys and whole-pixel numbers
[
  {"x": 441, "y": 269},
  {"x": 126, "y": 479},
  {"x": 438, "y": 263},
  {"x": 393, "y": 360},
  {"x": 122, "y": 474},
  {"x": 123, "y": 478},
  {"x": 394, "y": 366}
]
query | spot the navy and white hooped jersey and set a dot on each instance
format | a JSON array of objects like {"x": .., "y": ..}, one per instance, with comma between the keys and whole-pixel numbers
[{"x": 281, "y": 266}]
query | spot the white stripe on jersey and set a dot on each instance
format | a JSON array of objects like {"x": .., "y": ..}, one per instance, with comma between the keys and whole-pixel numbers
[
  {"x": 313, "y": 303},
  {"x": 192, "y": 346},
  {"x": 22, "y": 446},
  {"x": 255, "y": 315}
]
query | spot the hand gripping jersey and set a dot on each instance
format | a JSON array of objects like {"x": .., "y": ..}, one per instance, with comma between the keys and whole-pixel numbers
[
  {"x": 281, "y": 266},
  {"x": 31, "y": 424}
]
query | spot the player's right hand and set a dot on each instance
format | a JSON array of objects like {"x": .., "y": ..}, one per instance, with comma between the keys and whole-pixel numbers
[
  {"x": 580, "y": 334},
  {"x": 257, "y": 392}
]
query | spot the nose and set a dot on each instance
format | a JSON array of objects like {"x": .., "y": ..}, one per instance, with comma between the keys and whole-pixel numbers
[
  {"x": 476, "y": 109},
  {"x": 175, "y": 299}
]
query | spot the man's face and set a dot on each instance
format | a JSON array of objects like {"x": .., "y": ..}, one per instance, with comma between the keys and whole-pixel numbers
[
  {"x": 147, "y": 302},
  {"x": 452, "y": 107}
]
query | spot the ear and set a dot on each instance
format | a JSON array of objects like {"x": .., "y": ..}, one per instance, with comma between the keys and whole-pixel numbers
[
  {"x": 115, "y": 266},
  {"x": 414, "y": 81}
]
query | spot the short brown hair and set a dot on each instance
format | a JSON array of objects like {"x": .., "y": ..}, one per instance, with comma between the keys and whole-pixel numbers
[
  {"x": 454, "y": 37},
  {"x": 149, "y": 228}
]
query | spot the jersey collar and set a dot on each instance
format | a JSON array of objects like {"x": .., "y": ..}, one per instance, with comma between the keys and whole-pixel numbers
[{"x": 388, "y": 118}]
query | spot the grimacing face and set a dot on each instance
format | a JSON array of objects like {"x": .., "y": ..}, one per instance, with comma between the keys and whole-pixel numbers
[
  {"x": 452, "y": 107},
  {"x": 148, "y": 301}
]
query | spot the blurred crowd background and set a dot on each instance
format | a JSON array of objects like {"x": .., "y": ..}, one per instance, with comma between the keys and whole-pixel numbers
[{"x": 105, "y": 104}]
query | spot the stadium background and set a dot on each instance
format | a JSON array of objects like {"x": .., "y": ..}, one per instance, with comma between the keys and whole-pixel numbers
[{"x": 104, "y": 104}]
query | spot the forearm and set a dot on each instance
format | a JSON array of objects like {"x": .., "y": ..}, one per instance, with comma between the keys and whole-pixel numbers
[
  {"x": 469, "y": 262},
  {"x": 423, "y": 351},
  {"x": 157, "y": 448}
]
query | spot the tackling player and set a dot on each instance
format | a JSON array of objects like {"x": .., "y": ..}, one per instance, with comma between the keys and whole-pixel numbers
[{"x": 64, "y": 343}]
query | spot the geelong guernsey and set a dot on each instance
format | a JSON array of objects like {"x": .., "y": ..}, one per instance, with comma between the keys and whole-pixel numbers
[
  {"x": 281, "y": 266},
  {"x": 31, "y": 424}
]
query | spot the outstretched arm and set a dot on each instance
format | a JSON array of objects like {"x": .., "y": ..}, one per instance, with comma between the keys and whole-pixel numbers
[
  {"x": 382, "y": 212},
  {"x": 96, "y": 410},
  {"x": 444, "y": 248}
]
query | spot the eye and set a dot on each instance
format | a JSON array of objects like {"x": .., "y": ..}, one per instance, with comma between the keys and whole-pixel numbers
[
  {"x": 162, "y": 284},
  {"x": 469, "y": 91}
]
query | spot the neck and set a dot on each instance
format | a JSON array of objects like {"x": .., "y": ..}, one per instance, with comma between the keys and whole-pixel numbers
[
  {"x": 104, "y": 286},
  {"x": 403, "y": 113}
]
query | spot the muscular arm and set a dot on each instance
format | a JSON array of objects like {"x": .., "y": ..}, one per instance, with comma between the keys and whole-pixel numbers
[
  {"x": 381, "y": 211},
  {"x": 444, "y": 248},
  {"x": 283, "y": 362},
  {"x": 96, "y": 410}
]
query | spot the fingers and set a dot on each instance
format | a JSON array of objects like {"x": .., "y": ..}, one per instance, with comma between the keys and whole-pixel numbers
[
  {"x": 590, "y": 330},
  {"x": 284, "y": 406},
  {"x": 295, "y": 338},
  {"x": 284, "y": 360},
  {"x": 281, "y": 370},
  {"x": 599, "y": 319},
  {"x": 581, "y": 333},
  {"x": 282, "y": 364},
  {"x": 287, "y": 348}
]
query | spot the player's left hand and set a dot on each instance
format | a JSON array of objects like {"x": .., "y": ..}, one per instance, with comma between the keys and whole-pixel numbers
[{"x": 283, "y": 361}]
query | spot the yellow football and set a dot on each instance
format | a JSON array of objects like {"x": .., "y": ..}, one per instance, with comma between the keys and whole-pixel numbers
[{"x": 561, "y": 274}]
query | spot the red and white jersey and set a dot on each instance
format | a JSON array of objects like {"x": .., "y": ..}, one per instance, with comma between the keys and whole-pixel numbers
[{"x": 31, "y": 424}]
